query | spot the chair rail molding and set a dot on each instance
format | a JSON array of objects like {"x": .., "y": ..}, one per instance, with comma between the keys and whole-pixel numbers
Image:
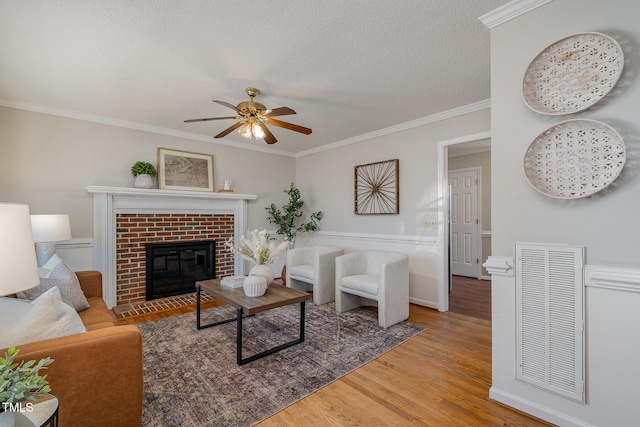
[
  {"x": 77, "y": 253},
  {"x": 499, "y": 265},
  {"x": 377, "y": 237},
  {"x": 615, "y": 278}
]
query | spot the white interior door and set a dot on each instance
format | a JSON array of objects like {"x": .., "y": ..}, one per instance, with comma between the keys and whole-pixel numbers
[{"x": 463, "y": 184}]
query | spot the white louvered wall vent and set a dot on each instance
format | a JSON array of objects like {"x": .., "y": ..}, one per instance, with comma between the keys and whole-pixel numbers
[{"x": 549, "y": 318}]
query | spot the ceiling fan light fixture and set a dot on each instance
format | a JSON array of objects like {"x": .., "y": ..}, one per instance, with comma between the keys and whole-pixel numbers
[
  {"x": 254, "y": 118},
  {"x": 245, "y": 131},
  {"x": 257, "y": 131},
  {"x": 251, "y": 129}
]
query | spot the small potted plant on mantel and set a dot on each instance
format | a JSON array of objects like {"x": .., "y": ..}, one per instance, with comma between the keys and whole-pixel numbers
[
  {"x": 20, "y": 383},
  {"x": 144, "y": 173},
  {"x": 289, "y": 219}
]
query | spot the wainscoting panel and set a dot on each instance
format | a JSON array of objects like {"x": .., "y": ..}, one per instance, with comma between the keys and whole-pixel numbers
[
  {"x": 423, "y": 251},
  {"x": 77, "y": 253}
]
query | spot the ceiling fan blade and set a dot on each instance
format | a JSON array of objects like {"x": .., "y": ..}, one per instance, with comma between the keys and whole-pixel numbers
[
  {"x": 211, "y": 118},
  {"x": 228, "y": 130},
  {"x": 268, "y": 136},
  {"x": 290, "y": 126},
  {"x": 280, "y": 111},
  {"x": 226, "y": 104}
]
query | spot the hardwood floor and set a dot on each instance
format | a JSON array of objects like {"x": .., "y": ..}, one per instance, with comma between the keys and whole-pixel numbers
[
  {"x": 471, "y": 297},
  {"x": 441, "y": 377}
]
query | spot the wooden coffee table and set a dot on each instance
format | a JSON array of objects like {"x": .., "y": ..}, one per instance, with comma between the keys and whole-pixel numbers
[{"x": 276, "y": 296}]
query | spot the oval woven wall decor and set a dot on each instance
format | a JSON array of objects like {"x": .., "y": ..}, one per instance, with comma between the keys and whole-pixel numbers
[
  {"x": 572, "y": 74},
  {"x": 574, "y": 159}
]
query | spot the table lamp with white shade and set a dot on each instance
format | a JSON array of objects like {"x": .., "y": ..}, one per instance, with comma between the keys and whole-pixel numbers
[
  {"x": 18, "y": 267},
  {"x": 47, "y": 230}
]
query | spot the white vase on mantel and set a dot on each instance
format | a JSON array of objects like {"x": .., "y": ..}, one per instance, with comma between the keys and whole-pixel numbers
[
  {"x": 264, "y": 270},
  {"x": 143, "y": 181}
]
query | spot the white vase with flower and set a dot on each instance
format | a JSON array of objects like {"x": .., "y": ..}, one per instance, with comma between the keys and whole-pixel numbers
[{"x": 257, "y": 247}]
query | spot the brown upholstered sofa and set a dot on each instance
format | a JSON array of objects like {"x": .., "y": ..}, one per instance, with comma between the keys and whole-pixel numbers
[{"x": 97, "y": 375}]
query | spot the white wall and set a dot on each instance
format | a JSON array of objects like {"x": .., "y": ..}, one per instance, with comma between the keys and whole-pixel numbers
[
  {"x": 47, "y": 161},
  {"x": 606, "y": 223},
  {"x": 326, "y": 180}
]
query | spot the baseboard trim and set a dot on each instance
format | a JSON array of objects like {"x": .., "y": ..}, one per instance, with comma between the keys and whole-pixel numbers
[
  {"x": 424, "y": 303},
  {"x": 535, "y": 409}
]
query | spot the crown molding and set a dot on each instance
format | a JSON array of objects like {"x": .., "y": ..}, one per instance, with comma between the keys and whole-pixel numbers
[
  {"x": 95, "y": 118},
  {"x": 444, "y": 115},
  {"x": 470, "y": 108},
  {"x": 510, "y": 11}
]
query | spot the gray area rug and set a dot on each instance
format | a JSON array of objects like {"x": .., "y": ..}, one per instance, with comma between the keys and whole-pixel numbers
[{"x": 191, "y": 377}]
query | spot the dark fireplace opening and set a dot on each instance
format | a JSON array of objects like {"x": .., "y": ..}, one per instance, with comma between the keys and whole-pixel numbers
[{"x": 173, "y": 268}]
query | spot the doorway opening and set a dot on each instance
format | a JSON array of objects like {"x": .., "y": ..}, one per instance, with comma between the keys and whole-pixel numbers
[
  {"x": 468, "y": 247},
  {"x": 465, "y": 219}
]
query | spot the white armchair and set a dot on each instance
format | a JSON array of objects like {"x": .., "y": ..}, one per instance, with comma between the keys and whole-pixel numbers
[
  {"x": 378, "y": 276},
  {"x": 313, "y": 267}
]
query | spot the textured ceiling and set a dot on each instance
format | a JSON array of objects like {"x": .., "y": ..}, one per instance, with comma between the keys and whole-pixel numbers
[{"x": 347, "y": 67}]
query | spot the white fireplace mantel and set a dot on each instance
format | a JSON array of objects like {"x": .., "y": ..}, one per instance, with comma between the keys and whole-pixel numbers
[{"x": 110, "y": 201}]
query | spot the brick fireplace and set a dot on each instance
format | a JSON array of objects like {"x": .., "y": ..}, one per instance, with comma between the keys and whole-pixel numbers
[
  {"x": 125, "y": 219},
  {"x": 135, "y": 230}
]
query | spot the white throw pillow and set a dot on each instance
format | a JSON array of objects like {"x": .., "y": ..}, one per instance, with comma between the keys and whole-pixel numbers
[
  {"x": 12, "y": 308},
  {"x": 45, "y": 317},
  {"x": 57, "y": 273}
]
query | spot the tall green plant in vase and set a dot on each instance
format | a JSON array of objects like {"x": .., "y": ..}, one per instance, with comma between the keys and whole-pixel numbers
[{"x": 289, "y": 218}]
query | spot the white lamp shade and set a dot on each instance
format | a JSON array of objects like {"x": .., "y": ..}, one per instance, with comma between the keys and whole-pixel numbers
[
  {"x": 50, "y": 228},
  {"x": 18, "y": 267}
]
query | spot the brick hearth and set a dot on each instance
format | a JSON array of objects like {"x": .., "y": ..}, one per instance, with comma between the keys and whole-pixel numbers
[
  {"x": 133, "y": 231},
  {"x": 160, "y": 304}
]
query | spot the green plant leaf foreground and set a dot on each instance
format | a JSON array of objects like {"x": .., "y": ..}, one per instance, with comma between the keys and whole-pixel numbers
[{"x": 20, "y": 382}]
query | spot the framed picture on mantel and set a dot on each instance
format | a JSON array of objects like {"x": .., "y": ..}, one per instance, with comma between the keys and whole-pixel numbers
[{"x": 181, "y": 170}]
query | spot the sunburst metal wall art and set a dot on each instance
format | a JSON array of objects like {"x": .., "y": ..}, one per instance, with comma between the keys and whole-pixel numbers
[{"x": 376, "y": 188}]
